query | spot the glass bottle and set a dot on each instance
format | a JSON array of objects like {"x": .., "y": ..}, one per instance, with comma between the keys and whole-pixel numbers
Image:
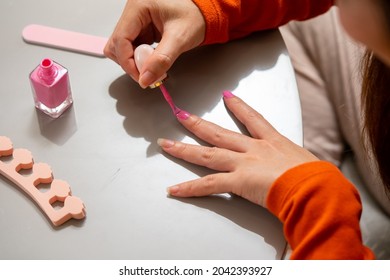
[{"x": 51, "y": 88}]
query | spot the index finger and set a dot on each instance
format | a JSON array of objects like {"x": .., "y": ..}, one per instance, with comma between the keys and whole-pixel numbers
[
  {"x": 125, "y": 57},
  {"x": 121, "y": 41}
]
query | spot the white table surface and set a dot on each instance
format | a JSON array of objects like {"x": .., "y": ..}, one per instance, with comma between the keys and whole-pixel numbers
[{"x": 105, "y": 145}]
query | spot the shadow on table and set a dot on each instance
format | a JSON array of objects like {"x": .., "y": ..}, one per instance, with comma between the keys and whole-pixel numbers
[
  {"x": 59, "y": 130},
  {"x": 245, "y": 214},
  {"x": 196, "y": 82}
]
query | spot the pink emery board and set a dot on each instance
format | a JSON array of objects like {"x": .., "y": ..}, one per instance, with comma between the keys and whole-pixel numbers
[{"x": 64, "y": 39}]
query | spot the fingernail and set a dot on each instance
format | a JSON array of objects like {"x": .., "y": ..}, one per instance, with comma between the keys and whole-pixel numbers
[
  {"x": 173, "y": 190},
  {"x": 146, "y": 79},
  {"x": 165, "y": 143},
  {"x": 183, "y": 115},
  {"x": 227, "y": 94}
]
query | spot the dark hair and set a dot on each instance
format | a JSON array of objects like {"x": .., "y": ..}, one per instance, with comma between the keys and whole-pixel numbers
[{"x": 376, "y": 106}]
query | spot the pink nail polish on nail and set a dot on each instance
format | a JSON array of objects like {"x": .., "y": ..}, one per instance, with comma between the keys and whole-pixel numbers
[
  {"x": 51, "y": 88},
  {"x": 183, "y": 115},
  {"x": 227, "y": 94}
]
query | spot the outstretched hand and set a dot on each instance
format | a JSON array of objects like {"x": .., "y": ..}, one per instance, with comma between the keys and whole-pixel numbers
[{"x": 247, "y": 166}]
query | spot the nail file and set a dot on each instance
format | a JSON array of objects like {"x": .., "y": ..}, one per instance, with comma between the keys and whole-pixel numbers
[{"x": 64, "y": 39}]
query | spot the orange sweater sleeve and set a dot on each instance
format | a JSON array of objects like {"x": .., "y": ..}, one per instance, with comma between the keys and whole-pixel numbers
[
  {"x": 231, "y": 19},
  {"x": 320, "y": 210}
]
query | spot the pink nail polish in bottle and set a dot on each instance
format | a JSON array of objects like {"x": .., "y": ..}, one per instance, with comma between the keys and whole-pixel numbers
[{"x": 51, "y": 88}]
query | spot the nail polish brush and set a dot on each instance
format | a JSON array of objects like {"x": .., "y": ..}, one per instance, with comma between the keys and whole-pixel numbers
[{"x": 141, "y": 53}]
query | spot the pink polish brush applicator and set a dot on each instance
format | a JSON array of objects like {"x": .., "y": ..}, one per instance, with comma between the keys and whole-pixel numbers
[{"x": 141, "y": 53}]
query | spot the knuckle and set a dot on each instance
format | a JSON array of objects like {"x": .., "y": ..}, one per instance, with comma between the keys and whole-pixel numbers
[
  {"x": 209, "y": 183},
  {"x": 192, "y": 189},
  {"x": 264, "y": 144},
  {"x": 114, "y": 40},
  {"x": 210, "y": 180},
  {"x": 253, "y": 115},
  {"x": 197, "y": 124},
  {"x": 208, "y": 154},
  {"x": 182, "y": 148},
  {"x": 107, "y": 51},
  {"x": 219, "y": 133},
  {"x": 164, "y": 60}
]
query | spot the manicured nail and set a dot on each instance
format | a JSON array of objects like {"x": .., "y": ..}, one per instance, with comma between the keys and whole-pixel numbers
[
  {"x": 147, "y": 79},
  {"x": 173, "y": 190},
  {"x": 227, "y": 94},
  {"x": 183, "y": 115},
  {"x": 165, "y": 143}
]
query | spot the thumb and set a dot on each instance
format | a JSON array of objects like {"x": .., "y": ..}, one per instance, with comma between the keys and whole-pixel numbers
[{"x": 160, "y": 61}]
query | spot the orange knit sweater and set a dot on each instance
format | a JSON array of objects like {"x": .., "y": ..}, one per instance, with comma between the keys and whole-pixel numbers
[
  {"x": 320, "y": 210},
  {"x": 231, "y": 19},
  {"x": 319, "y": 207}
]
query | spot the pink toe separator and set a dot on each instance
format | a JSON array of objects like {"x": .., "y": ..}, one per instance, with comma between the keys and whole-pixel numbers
[{"x": 59, "y": 190}]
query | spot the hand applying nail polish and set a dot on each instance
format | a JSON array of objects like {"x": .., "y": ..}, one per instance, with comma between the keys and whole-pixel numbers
[{"x": 141, "y": 54}]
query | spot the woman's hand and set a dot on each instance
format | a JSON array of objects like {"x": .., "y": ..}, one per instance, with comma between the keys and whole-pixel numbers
[
  {"x": 248, "y": 166},
  {"x": 179, "y": 25}
]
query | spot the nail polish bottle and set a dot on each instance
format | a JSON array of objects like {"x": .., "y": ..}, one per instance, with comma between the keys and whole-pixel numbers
[{"x": 51, "y": 88}]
